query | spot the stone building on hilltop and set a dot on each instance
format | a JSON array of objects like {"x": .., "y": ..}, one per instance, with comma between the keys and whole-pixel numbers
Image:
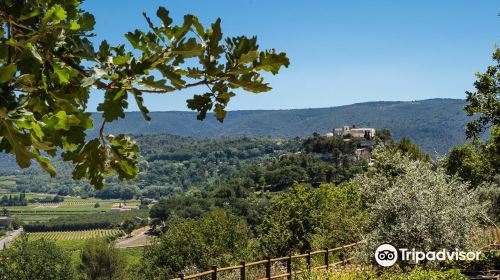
[
  {"x": 351, "y": 131},
  {"x": 365, "y": 135}
]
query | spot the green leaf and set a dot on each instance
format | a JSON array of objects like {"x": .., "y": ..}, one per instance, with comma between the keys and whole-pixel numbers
[
  {"x": 168, "y": 72},
  {"x": 62, "y": 73},
  {"x": 140, "y": 103},
  {"x": 19, "y": 143},
  {"x": 162, "y": 13},
  {"x": 90, "y": 162},
  {"x": 60, "y": 121},
  {"x": 34, "y": 52},
  {"x": 45, "y": 163},
  {"x": 190, "y": 48},
  {"x": 124, "y": 153},
  {"x": 95, "y": 75},
  {"x": 104, "y": 50},
  {"x": 152, "y": 26},
  {"x": 115, "y": 101},
  {"x": 272, "y": 62},
  {"x": 250, "y": 83},
  {"x": 215, "y": 34},
  {"x": 199, "y": 28},
  {"x": 121, "y": 59},
  {"x": 35, "y": 12},
  {"x": 7, "y": 73},
  {"x": 220, "y": 113},
  {"x": 135, "y": 40},
  {"x": 55, "y": 15},
  {"x": 86, "y": 21},
  {"x": 74, "y": 25},
  {"x": 201, "y": 103},
  {"x": 248, "y": 57},
  {"x": 160, "y": 84}
]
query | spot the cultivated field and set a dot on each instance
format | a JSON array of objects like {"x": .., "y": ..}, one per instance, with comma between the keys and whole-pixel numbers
[
  {"x": 76, "y": 235},
  {"x": 40, "y": 212}
]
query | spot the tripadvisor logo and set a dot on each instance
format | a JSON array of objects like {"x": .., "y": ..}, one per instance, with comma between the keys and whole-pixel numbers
[{"x": 386, "y": 255}]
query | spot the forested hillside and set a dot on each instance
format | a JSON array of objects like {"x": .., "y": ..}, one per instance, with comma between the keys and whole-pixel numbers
[
  {"x": 168, "y": 165},
  {"x": 435, "y": 124}
]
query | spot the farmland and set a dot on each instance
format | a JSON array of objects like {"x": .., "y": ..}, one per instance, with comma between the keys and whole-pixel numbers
[
  {"x": 76, "y": 235},
  {"x": 42, "y": 212}
]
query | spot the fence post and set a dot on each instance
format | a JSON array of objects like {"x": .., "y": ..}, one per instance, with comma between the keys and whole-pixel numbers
[
  {"x": 327, "y": 261},
  {"x": 308, "y": 260},
  {"x": 268, "y": 268},
  {"x": 214, "y": 274},
  {"x": 342, "y": 254},
  {"x": 180, "y": 276},
  {"x": 289, "y": 267},
  {"x": 243, "y": 271}
]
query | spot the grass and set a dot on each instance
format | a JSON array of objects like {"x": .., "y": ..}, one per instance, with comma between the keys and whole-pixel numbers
[{"x": 133, "y": 255}]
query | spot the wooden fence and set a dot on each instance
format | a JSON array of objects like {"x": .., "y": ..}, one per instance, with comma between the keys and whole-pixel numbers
[{"x": 243, "y": 267}]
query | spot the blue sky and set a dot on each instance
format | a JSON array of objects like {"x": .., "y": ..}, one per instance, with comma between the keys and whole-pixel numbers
[{"x": 341, "y": 52}]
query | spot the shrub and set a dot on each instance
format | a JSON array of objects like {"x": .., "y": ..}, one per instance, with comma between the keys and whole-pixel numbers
[
  {"x": 40, "y": 259},
  {"x": 99, "y": 260},
  {"x": 489, "y": 194},
  {"x": 217, "y": 239},
  {"x": 414, "y": 206},
  {"x": 367, "y": 274},
  {"x": 304, "y": 218}
]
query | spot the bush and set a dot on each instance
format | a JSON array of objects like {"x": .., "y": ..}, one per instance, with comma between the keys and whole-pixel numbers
[
  {"x": 86, "y": 221},
  {"x": 99, "y": 260},
  {"x": 414, "y": 206},
  {"x": 40, "y": 259},
  {"x": 16, "y": 223},
  {"x": 217, "y": 239},
  {"x": 489, "y": 194},
  {"x": 304, "y": 218},
  {"x": 415, "y": 274}
]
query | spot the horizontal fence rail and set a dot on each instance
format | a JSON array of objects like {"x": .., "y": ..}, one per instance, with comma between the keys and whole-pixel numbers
[{"x": 243, "y": 267}]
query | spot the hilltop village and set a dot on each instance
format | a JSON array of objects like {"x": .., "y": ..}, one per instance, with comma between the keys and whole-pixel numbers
[{"x": 365, "y": 135}]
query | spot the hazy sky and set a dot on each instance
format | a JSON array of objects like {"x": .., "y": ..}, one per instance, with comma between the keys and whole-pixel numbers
[{"x": 341, "y": 52}]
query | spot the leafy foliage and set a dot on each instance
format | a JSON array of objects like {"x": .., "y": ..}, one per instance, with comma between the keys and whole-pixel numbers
[
  {"x": 48, "y": 66},
  {"x": 414, "y": 206},
  {"x": 485, "y": 101},
  {"x": 467, "y": 163},
  {"x": 39, "y": 259},
  {"x": 169, "y": 165},
  {"x": 304, "y": 219},
  {"x": 413, "y": 151},
  {"x": 85, "y": 221},
  {"x": 217, "y": 239},
  {"x": 99, "y": 260}
]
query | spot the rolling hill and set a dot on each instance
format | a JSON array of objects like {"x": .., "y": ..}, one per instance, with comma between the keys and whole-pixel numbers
[{"x": 435, "y": 124}]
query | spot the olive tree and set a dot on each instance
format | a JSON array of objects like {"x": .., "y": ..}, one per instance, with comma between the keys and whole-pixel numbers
[
  {"x": 48, "y": 66},
  {"x": 412, "y": 205}
]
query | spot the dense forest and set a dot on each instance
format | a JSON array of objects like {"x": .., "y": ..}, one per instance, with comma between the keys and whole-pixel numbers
[{"x": 168, "y": 165}]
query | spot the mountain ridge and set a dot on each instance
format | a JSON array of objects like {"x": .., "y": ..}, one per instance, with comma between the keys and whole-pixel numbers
[{"x": 435, "y": 124}]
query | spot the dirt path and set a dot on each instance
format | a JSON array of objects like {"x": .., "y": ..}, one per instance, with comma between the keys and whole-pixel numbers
[
  {"x": 139, "y": 239},
  {"x": 11, "y": 235}
]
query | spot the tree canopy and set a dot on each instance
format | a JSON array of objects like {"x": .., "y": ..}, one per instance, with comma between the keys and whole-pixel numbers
[
  {"x": 48, "y": 65},
  {"x": 485, "y": 101}
]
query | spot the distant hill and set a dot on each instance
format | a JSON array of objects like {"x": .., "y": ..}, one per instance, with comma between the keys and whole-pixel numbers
[{"x": 435, "y": 124}]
